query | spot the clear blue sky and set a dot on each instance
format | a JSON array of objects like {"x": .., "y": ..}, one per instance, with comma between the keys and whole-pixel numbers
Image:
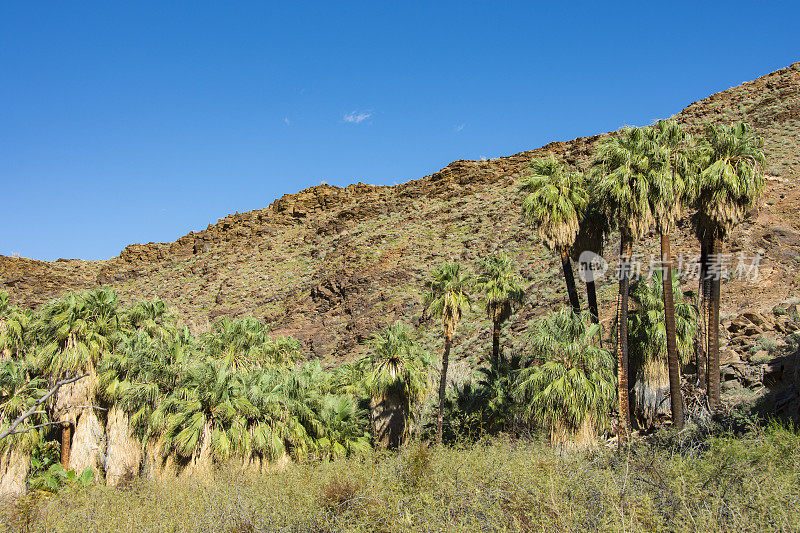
[{"x": 126, "y": 122}]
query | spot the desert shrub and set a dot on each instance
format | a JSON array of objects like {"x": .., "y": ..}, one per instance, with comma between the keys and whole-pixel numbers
[{"x": 745, "y": 482}]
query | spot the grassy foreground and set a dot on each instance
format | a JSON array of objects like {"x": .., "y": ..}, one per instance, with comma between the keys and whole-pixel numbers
[{"x": 689, "y": 483}]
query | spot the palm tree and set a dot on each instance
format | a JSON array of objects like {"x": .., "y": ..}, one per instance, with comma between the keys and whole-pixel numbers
[
  {"x": 572, "y": 391},
  {"x": 134, "y": 380},
  {"x": 20, "y": 387},
  {"x": 205, "y": 417},
  {"x": 670, "y": 174},
  {"x": 554, "y": 199},
  {"x": 344, "y": 428},
  {"x": 14, "y": 324},
  {"x": 244, "y": 343},
  {"x": 74, "y": 333},
  {"x": 729, "y": 185},
  {"x": 151, "y": 316},
  {"x": 501, "y": 289},
  {"x": 395, "y": 376},
  {"x": 650, "y": 344},
  {"x": 592, "y": 231},
  {"x": 623, "y": 185},
  {"x": 447, "y": 298}
]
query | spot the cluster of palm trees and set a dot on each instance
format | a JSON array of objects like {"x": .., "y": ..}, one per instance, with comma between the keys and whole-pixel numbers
[
  {"x": 642, "y": 179},
  {"x": 158, "y": 396}
]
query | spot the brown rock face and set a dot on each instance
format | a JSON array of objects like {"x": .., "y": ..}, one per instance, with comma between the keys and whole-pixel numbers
[{"x": 333, "y": 265}]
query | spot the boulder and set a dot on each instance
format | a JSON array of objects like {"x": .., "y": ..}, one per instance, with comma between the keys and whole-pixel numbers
[
  {"x": 753, "y": 330},
  {"x": 754, "y": 318}
]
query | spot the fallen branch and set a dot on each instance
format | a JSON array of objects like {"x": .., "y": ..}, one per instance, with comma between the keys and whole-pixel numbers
[{"x": 12, "y": 429}]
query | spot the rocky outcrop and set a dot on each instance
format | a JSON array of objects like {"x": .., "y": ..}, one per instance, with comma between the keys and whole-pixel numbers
[{"x": 763, "y": 356}]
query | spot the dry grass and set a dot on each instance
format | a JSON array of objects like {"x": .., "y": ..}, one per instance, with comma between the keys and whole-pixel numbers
[{"x": 719, "y": 484}]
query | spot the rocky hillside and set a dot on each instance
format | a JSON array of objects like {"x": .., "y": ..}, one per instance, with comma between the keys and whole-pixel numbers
[{"x": 332, "y": 265}]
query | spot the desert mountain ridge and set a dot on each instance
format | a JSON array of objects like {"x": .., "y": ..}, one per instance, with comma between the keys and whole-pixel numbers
[{"x": 333, "y": 265}]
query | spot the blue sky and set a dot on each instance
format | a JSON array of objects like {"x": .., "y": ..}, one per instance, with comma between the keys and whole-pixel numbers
[{"x": 126, "y": 122}]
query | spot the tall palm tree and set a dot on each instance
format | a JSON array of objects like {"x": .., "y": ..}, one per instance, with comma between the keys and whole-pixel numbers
[
  {"x": 554, "y": 199},
  {"x": 622, "y": 166},
  {"x": 593, "y": 229},
  {"x": 447, "y": 298},
  {"x": 729, "y": 185},
  {"x": 501, "y": 290},
  {"x": 650, "y": 341},
  {"x": 670, "y": 175},
  {"x": 396, "y": 374},
  {"x": 572, "y": 391}
]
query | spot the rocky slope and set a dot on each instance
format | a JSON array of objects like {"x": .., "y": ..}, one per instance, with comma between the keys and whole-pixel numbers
[{"x": 332, "y": 265}]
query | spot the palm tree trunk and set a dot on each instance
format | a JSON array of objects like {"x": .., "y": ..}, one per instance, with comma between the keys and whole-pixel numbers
[
  {"x": 66, "y": 440},
  {"x": 443, "y": 386},
  {"x": 495, "y": 342},
  {"x": 713, "y": 326},
  {"x": 626, "y": 250},
  {"x": 591, "y": 295},
  {"x": 566, "y": 265},
  {"x": 673, "y": 363},
  {"x": 702, "y": 311}
]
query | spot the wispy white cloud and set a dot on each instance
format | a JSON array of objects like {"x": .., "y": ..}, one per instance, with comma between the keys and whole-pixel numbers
[
  {"x": 357, "y": 117},
  {"x": 287, "y": 121},
  {"x": 459, "y": 127}
]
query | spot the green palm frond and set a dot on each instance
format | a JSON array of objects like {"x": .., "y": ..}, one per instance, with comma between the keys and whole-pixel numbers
[
  {"x": 648, "y": 336},
  {"x": 576, "y": 378},
  {"x": 731, "y": 179},
  {"x": 500, "y": 286},
  {"x": 447, "y": 295},
  {"x": 622, "y": 170},
  {"x": 553, "y": 202}
]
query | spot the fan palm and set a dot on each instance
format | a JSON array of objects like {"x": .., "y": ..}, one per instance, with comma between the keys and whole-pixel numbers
[
  {"x": 244, "y": 343},
  {"x": 572, "y": 391},
  {"x": 20, "y": 388},
  {"x": 592, "y": 231},
  {"x": 396, "y": 374},
  {"x": 623, "y": 185},
  {"x": 650, "y": 344},
  {"x": 206, "y": 417},
  {"x": 151, "y": 316},
  {"x": 670, "y": 175},
  {"x": 501, "y": 290},
  {"x": 554, "y": 199},
  {"x": 75, "y": 332},
  {"x": 447, "y": 298},
  {"x": 344, "y": 427},
  {"x": 134, "y": 380},
  {"x": 729, "y": 184},
  {"x": 14, "y": 324}
]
